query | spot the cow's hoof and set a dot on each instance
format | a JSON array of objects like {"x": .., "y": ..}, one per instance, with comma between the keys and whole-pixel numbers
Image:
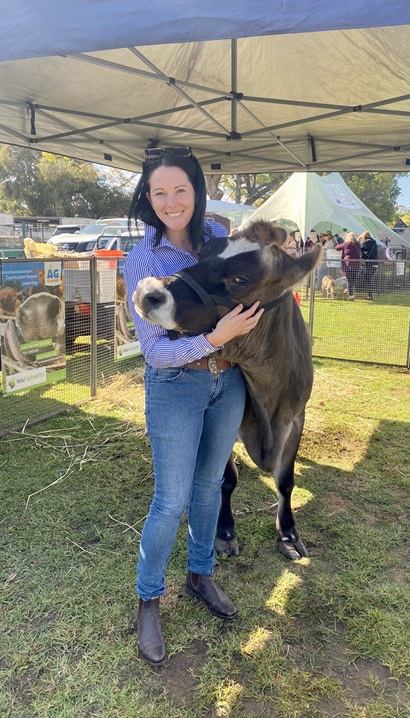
[
  {"x": 292, "y": 547},
  {"x": 225, "y": 546}
]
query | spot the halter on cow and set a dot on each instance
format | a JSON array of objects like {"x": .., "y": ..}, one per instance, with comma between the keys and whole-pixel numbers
[{"x": 210, "y": 301}]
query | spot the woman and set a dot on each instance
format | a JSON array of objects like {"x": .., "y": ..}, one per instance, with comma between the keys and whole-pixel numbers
[
  {"x": 350, "y": 249},
  {"x": 369, "y": 253},
  {"x": 192, "y": 416},
  {"x": 326, "y": 241},
  {"x": 291, "y": 245}
]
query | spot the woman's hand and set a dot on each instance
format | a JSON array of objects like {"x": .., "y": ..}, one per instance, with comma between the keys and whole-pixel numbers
[{"x": 235, "y": 324}]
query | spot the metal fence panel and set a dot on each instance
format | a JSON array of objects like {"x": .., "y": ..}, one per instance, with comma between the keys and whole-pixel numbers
[{"x": 90, "y": 360}]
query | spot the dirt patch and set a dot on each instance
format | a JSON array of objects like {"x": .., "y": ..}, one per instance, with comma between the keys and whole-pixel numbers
[
  {"x": 257, "y": 709},
  {"x": 180, "y": 673},
  {"x": 361, "y": 681}
]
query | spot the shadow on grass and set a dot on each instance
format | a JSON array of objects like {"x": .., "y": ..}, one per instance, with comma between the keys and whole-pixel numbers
[{"x": 42, "y": 402}]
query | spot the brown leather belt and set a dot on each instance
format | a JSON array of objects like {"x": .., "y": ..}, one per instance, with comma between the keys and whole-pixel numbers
[{"x": 215, "y": 366}]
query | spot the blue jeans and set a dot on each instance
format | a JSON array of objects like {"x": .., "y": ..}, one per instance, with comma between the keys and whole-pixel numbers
[{"x": 192, "y": 421}]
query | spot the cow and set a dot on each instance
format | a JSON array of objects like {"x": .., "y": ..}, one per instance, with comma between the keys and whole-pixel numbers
[{"x": 275, "y": 357}]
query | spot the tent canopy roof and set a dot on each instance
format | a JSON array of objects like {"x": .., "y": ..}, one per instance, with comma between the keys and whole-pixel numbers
[
  {"x": 308, "y": 202},
  {"x": 306, "y": 85}
]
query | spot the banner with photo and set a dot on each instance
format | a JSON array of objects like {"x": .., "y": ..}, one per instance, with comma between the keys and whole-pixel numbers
[
  {"x": 32, "y": 324},
  {"x": 126, "y": 340}
]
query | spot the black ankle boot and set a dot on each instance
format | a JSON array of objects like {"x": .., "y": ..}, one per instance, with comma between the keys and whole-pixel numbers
[
  {"x": 151, "y": 644},
  {"x": 216, "y": 601}
]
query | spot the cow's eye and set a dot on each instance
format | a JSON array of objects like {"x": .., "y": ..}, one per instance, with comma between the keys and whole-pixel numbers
[{"x": 241, "y": 281}]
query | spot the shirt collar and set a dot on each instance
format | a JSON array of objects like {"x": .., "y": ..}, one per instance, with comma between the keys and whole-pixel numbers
[{"x": 150, "y": 233}]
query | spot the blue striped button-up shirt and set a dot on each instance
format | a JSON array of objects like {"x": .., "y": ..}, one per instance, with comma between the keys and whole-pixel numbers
[{"x": 146, "y": 260}]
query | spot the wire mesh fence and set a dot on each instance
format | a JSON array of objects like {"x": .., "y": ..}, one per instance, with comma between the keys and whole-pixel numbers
[
  {"x": 65, "y": 330},
  {"x": 367, "y": 320},
  {"x": 47, "y": 370}
]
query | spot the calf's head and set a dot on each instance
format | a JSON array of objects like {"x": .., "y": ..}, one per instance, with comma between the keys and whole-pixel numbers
[{"x": 249, "y": 266}]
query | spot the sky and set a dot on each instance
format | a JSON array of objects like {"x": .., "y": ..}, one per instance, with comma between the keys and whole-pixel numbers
[{"x": 404, "y": 196}]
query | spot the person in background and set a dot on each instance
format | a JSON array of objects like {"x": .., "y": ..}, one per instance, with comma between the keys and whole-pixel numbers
[
  {"x": 338, "y": 239},
  {"x": 350, "y": 260},
  {"x": 327, "y": 243},
  {"x": 369, "y": 254},
  {"x": 194, "y": 401},
  {"x": 310, "y": 242},
  {"x": 389, "y": 252},
  {"x": 291, "y": 246}
]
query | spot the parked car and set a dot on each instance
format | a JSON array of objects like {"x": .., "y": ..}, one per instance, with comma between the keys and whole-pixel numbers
[
  {"x": 90, "y": 233},
  {"x": 77, "y": 283},
  {"x": 111, "y": 238},
  {"x": 125, "y": 242},
  {"x": 66, "y": 229}
]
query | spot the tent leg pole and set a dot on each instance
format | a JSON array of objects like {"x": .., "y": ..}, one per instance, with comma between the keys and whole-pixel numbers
[{"x": 312, "y": 305}]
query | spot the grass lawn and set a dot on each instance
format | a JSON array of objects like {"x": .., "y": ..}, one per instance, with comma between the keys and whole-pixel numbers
[
  {"x": 365, "y": 331},
  {"x": 322, "y": 637}
]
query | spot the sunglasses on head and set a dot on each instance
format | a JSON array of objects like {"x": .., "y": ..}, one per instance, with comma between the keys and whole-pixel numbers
[{"x": 153, "y": 154}]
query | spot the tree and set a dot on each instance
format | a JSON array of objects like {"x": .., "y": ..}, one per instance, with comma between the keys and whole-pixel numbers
[
  {"x": 20, "y": 189},
  {"x": 44, "y": 184},
  {"x": 245, "y": 188},
  {"x": 212, "y": 186},
  {"x": 405, "y": 217},
  {"x": 378, "y": 190}
]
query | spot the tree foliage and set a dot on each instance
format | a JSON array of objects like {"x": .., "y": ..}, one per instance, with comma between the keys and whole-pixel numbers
[
  {"x": 42, "y": 184},
  {"x": 245, "y": 188},
  {"x": 405, "y": 218},
  {"x": 378, "y": 190}
]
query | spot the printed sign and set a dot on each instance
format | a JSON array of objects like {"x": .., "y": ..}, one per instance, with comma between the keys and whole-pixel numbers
[
  {"x": 400, "y": 269},
  {"x": 32, "y": 324},
  {"x": 339, "y": 195},
  {"x": 126, "y": 341}
]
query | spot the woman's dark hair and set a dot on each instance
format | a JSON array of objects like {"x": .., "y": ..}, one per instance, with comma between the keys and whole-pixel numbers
[{"x": 142, "y": 210}]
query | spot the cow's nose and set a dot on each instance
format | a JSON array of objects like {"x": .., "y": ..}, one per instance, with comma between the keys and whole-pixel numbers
[{"x": 154, "y": 299}]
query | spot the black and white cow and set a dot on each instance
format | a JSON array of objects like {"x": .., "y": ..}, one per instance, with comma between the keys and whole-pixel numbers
[{"x": 275, "y": 357}]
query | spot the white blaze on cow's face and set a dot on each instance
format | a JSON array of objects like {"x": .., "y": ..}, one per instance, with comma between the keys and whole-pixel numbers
[
  {"x": 152, "y": 301},
  {"x": 242, "y": 245},
  {"x": 238, "y": 246}
]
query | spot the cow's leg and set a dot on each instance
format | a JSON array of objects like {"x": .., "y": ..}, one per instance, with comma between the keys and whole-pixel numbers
[
  {"x": 289, "y": 543},
  {"x": 225, "y": 541}
]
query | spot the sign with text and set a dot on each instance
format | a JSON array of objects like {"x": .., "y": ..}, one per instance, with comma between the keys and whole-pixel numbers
[{"x": 32, "y": 324}]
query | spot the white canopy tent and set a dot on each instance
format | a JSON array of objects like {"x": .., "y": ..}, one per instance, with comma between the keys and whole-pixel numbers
[
  {"x": 236, "y": 213},
  {"x": 270, "y": 85},
  {"x": 307, "y": 201}
]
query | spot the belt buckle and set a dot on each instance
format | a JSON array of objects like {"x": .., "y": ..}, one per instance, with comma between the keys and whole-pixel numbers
[{"x": 213, "y": 367}]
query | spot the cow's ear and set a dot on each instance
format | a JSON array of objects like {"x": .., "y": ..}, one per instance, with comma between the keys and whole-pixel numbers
[
  {"x": 295, "y": 269},
  {"x": 280, "y": 235},
  {"x": 308, "y": 261},
  {"x": 264, "y": 232}
]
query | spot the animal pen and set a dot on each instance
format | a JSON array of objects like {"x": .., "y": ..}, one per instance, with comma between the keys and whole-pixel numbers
[{"x": 98, "y": 340}]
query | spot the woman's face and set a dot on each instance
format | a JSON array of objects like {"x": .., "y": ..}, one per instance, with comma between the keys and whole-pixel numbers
[{"x": 172, "y": 197}]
